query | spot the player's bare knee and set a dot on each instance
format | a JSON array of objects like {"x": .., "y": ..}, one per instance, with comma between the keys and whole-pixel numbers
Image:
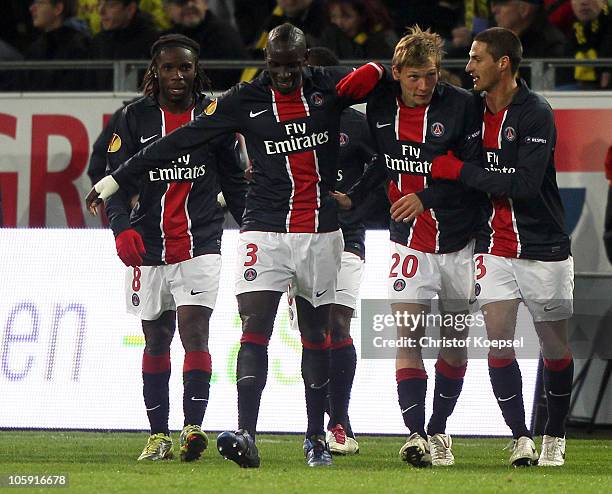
[
  {"x": 340, "y": 323},
  {"x": 311, "y": 331},
  {"x": 455, "y": 357},
  {"x": 157, "y": 346},
  {"x": 501, "y": 354},
  {"x": 195, "y": 342},
  {"x": 411, "y": 357},
  {"x": 158, "y": 336},
  {"x": 257, "y": 323}
]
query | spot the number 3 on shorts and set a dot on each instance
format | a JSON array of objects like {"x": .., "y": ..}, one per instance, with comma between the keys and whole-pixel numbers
[
  {"x": 251, "y": 254},
  {"x": 480, "y": 267}
]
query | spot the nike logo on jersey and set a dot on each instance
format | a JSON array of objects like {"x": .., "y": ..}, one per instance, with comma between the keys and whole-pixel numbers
[
  {"x": 150, "y": 409},
  {"x": 143, "y": 139},
  {"x": 505, "y": 399},
  {"x": 318, "y": 294},
  {"x": 254, "y": 114},
  {"x": 381, "y": 125},
  {"x": 409, "y": 408},
  {"x": 548, "y": 309},
  {"x": 197, "y": 293},
  {"x": 193, "y": 398}
]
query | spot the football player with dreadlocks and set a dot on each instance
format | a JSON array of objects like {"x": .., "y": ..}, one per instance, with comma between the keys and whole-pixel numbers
[{"x": 171, "y": 238}]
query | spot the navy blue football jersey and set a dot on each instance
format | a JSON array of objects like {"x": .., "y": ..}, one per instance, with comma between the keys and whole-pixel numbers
[
  {"x": 292, "y": 141},
  {"x": 524, "y": 217},
  {"x": 407, "y": 140},
  {"x": 176, "y": 209}
]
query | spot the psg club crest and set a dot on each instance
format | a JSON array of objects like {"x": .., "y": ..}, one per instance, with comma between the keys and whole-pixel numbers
[
  {"x": 344, "y": 139},
  {"x": 477, "y": 289},
  {"x": 437, "y": 129},
  {"x": 250, "y": 274},
  {"x": 317, "y": 99},
  {"x": 399, "y": 285},
  {"x": 135, "y": 300},
  {"x": 509, "y": 134}
]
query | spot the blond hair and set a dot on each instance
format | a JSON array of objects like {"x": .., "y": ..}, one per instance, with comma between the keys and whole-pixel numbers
[{"x": 417, "y": 48}]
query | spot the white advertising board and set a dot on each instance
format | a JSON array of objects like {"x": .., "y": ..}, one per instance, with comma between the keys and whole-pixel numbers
[{"x": 70, "y": 356}]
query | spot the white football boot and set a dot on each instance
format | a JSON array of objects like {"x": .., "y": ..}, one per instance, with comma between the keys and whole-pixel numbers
[
  {"x": 553, "y": 451},
  {"x": 440, "y": 447}
]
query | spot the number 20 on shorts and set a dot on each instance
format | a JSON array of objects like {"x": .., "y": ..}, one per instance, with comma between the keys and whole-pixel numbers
[{"x": 409, "y": 266}]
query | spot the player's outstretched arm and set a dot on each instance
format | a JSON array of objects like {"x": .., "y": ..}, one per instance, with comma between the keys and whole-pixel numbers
[
  {"x": 99, "y": 193},
  {"x": 361, "y": 82},
  {"x": 537, "y": 135},
  {"x": 220, "y": 117}
]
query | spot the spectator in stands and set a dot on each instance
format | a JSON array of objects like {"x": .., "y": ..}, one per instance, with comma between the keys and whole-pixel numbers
[
  {"x": 89, "y": 12},
  {"x": 307, "y": 15},
  {"x": 57, "y": 41},
  {"x": 592, "y": 38},
  {"x": 440, "y": 16},
  {"x": 250, "y": 17},
  {"x": 224, "y": 9},
  {"x": 560, "y": 14},
  {"x": 527, "y": 19},
  {"x": 127, "y": 33},
  {"x": 217, "y": 39},
  {"x": 476, "y": 18},
  {"x": 360, "y": 29}
]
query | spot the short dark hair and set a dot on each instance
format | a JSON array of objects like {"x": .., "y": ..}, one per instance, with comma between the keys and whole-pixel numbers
[
  {"x": 288, "y": 34},
  {"x": 502, "y": 42}
]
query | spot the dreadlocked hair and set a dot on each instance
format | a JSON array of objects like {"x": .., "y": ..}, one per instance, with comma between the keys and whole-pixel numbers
[{"x": 150, "y": 84}]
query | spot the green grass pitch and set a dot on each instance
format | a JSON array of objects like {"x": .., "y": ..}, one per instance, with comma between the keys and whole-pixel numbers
[{"x": 106, "y": 462}]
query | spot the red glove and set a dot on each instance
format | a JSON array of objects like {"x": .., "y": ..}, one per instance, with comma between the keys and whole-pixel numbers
[
  {"x": 447, "y": 167},
  {"x": 130, "y": 247},
  {"x": 361, "y": 81}
]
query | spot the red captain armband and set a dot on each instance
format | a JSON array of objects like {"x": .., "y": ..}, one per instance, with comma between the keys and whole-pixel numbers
[
  {"x": 361, "y": 81},
  {"x": 393, "y": 192},
  {"x": 446, "y": 167}
]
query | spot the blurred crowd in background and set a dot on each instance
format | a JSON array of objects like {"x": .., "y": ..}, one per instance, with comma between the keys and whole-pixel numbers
[{"x": 237, "y": 30}]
